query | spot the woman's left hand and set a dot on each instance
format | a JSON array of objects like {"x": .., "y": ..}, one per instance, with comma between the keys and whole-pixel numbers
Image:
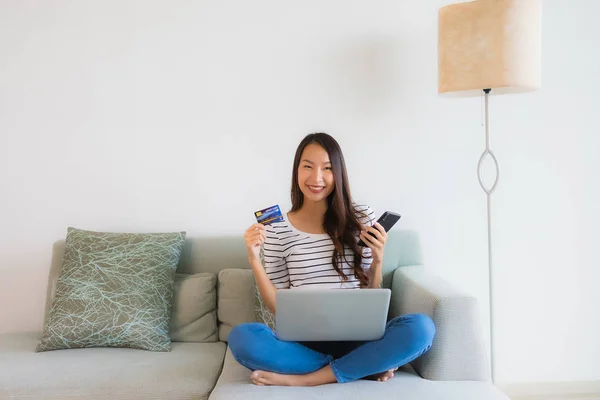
[{"x": 377, "y": 243}]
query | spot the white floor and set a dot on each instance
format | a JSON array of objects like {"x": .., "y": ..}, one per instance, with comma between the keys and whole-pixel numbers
[
  {"x": 553, "y": 391},
  {"x": 560, "y": 397}
]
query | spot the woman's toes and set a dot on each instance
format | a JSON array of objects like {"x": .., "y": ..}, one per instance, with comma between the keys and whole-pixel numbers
[
  {"x": 387, "y": 375},
  {"x": 256, "y": 379}
]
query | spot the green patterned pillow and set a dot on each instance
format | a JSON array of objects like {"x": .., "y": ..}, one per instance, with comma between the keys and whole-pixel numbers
[
  {"x": 261, "y": 311},
  {"x": 114, "y": 290}
]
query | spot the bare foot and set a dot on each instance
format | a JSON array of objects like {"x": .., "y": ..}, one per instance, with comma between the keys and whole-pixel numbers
[
  {"x": 382, "y": 377},
  {"x": 321, "y": 377},
  {"x": 264, "y": 378}
]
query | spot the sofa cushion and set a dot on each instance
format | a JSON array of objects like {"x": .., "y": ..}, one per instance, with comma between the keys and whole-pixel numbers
[
  {"x": 114, "y": 290},
  {"x": 189, "y": 371},
  {"x": 235, "y": 299},
  {"x": 194, "y": 311},
  {"x": 234, "y": 383}
]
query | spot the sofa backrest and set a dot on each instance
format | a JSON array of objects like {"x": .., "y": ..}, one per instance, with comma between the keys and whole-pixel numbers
[{"x": 403, "y": 249}]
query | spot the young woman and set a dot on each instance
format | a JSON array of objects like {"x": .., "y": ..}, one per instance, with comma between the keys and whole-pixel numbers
[{"x": 316, "y": 247}]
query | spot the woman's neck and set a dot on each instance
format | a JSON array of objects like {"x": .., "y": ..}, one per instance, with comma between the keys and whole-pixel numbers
[
  {"x": 314, "y": 210},
  {"x": 309, "y": 218}
]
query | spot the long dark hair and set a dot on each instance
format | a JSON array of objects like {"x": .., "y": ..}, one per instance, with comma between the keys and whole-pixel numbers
[{"x": 341, "y": 222}]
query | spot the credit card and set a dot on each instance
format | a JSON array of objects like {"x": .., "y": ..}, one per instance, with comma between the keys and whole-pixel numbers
[{"x": 269, "y": 215}]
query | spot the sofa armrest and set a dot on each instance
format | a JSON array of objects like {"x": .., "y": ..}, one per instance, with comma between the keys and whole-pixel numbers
[{"x": 458, "y": 351}]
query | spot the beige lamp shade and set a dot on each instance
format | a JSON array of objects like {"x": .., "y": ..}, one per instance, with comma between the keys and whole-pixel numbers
[{"x": 493, "y": 44}]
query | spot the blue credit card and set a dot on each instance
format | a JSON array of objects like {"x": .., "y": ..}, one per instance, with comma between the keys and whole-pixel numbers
[{"x": 269, "y": 215}]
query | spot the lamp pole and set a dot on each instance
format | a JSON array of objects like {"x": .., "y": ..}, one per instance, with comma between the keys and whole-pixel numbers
[{"x": 488, "y": 191}]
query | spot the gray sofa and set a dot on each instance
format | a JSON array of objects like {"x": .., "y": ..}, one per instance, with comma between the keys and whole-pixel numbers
[{"x": 454, "y": 368}]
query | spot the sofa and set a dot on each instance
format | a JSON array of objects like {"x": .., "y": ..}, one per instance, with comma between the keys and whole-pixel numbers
[{"x": 200, "y": 364}]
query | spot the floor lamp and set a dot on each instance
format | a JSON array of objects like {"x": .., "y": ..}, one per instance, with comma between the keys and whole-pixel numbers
[{"x": 484, "y": 47}]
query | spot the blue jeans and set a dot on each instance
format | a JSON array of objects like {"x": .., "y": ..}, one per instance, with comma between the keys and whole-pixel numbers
[{"x": 255, "y": 346}]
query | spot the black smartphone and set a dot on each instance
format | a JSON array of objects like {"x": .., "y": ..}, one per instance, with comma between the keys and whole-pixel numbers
[{"x": 387, "y": 220}]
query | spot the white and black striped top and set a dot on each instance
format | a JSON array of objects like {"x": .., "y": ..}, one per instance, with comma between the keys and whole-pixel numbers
[{"x": 296, "y": 259}]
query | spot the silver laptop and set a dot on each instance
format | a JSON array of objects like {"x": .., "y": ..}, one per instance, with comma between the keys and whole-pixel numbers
[{"x": 331, "y": 314}]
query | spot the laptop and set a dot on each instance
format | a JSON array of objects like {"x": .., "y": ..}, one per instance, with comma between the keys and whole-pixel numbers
[{"x": 331, "y": 314}]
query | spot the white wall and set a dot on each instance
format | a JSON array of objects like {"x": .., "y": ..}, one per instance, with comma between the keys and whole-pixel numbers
[{"x": 155, "y": 115}]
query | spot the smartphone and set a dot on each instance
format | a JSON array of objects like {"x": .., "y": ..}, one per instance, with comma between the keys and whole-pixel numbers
[{"x": 387, "y": 220}]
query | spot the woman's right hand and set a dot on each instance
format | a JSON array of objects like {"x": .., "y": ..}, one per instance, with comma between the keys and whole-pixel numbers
[{"x": 255, "y": 236}]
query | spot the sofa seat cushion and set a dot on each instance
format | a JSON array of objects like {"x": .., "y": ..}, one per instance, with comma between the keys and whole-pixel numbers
[
  {"x": 188, "y": 371},
  {"x": 235, "y": 383}
]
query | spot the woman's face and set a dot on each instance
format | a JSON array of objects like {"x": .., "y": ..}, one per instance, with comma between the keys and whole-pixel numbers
[{"x": 315, "y": 176}]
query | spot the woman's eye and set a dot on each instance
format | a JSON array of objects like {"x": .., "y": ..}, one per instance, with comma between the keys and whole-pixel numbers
[
  {"x": 328, "y": 168},
  {"x": 307, "y": 166}
]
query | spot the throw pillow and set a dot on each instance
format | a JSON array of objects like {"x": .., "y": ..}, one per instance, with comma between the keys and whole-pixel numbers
[
  {"x": 114, "y": 290},
  {"x": 235, "y": 299},
  {"x": 261, "y": 311},
  {"x": 194, "y": 310}
]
